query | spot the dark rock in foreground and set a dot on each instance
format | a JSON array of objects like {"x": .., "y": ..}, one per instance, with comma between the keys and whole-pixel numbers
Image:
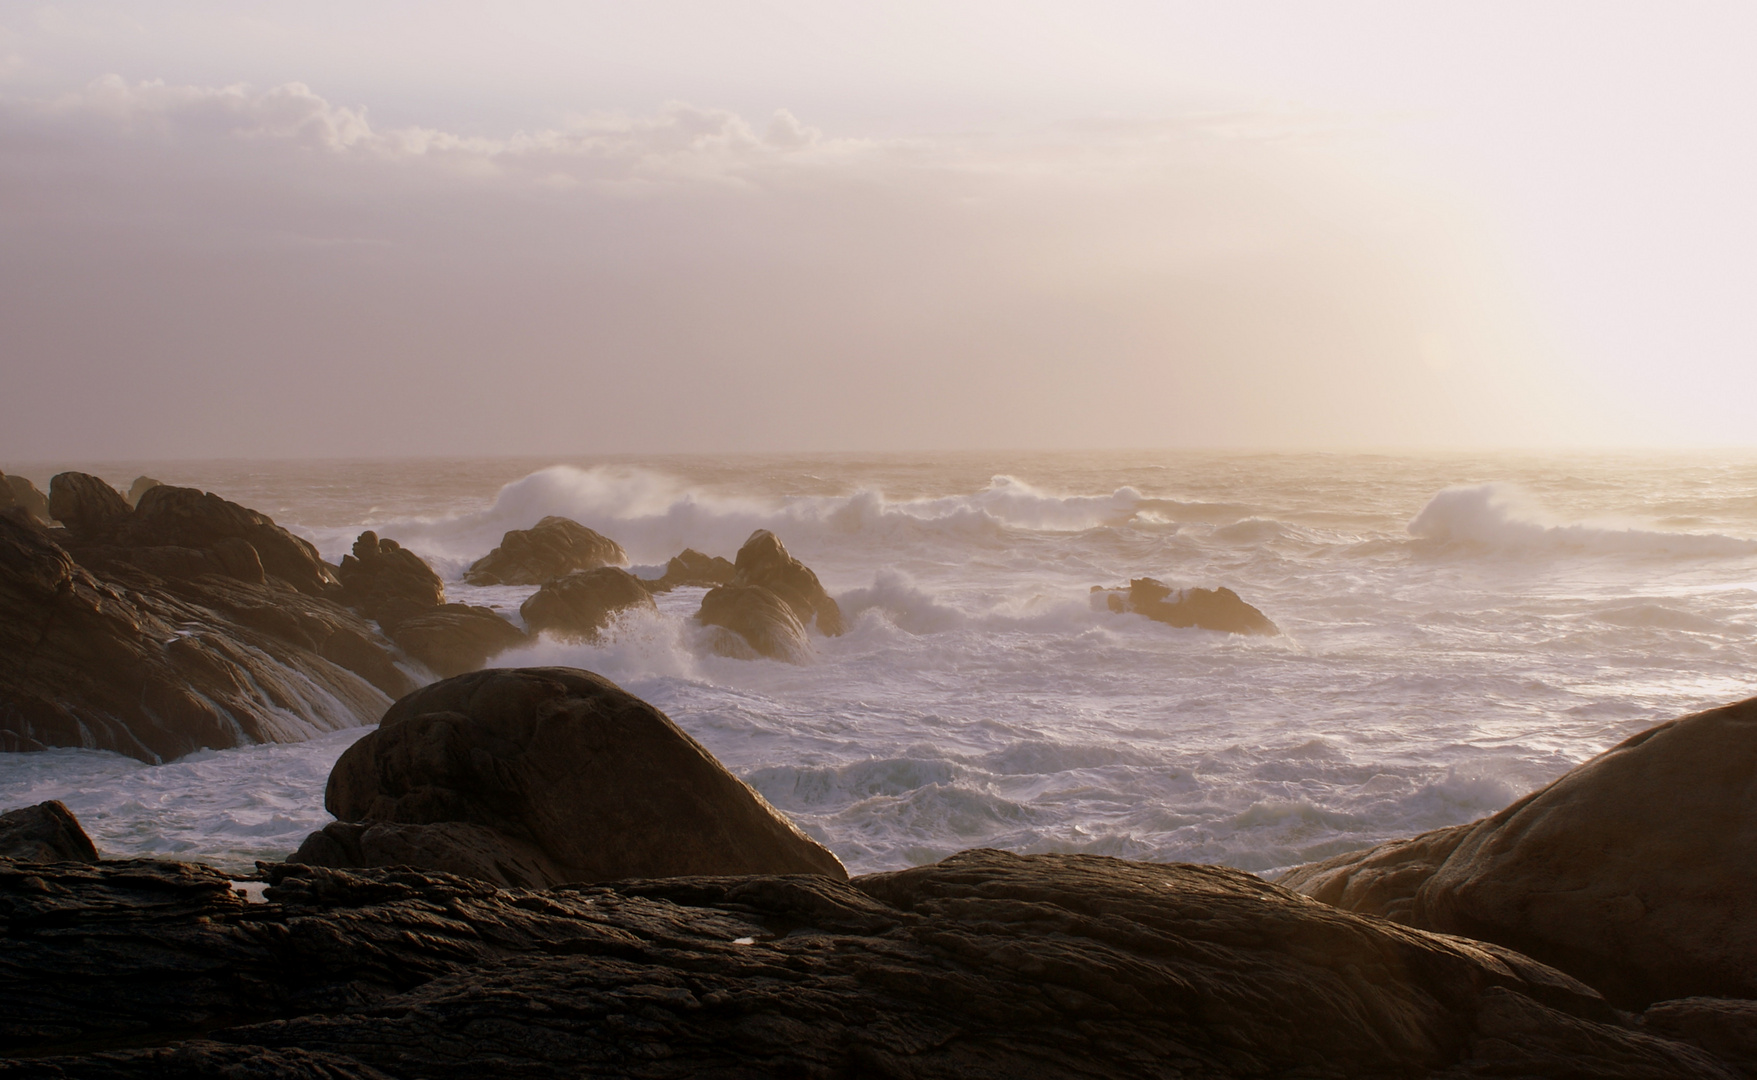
[
  {"x": 584, "y": 603},
  {"x": 691, "y": 568},
  {"x": 549, "y": 549},
  {"x": 1210, "y": 609},
  {"x": 46, "y": 832},
  {"x": 1635, "y": 872},
  {"x": 770, "y": 603},
  {"x": 576, "y": 779},
  {"x": 985, "y": 965},
  {"x": 452, "y": 639}
]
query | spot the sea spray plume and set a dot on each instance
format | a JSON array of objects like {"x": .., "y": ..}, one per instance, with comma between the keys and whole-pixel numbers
[{"x": 1499, "y": 516}]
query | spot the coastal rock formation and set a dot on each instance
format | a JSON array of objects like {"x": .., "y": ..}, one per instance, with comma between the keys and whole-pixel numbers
[
  {"x": 121, "y": 659},
  {"x": 583, "y": 603},
  {"x": 387, "y": 582},
  {"x": 21, "y": 498},
  {"x": 763, "y": 562},
  {"x": 549, "y": 549},
  {"x": 141, "y": 485},
  {"x": 46, "y": 832},
  {"x": 87, "y": 507},
  {"x": 691, "y": 568},
  {"x": 185, "y": 517},
  {"x": 1633, "y": 872},
  {"x": 1210, "y": 609},
  {"x": 985, "y": 965},
  {"x": 562, "y": 763},
  {"x": 759, "y": 624},
  {"x": 452, "y": 639}
]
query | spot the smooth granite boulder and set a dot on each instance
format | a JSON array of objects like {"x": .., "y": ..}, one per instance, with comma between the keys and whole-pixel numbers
[
  {"x": 564, "y": 762},
  {"x": 763, "y": 561},
  {"x": 1636, "y": 871},
  {"x": 583, "y": 604},
  {"x": 22, "y": 499},
  {"x": 691, "y": 568},
  {"x": 986, "y": 965},
  {"x": 185, "y": 517},
  {"x": 549, "y": 549},
  {"x": 387, "y": 582},
  {"x": 87, "y": 507},
  {"x": 46, "y": 832},
  {"x": 1209, "y": 609},
  {"x": 754, "y": 622},
  {"x": 452, "y": 639}
]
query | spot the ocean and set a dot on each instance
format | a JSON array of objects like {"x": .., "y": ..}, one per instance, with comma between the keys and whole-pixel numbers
[{"x": 1458, "y": 630}]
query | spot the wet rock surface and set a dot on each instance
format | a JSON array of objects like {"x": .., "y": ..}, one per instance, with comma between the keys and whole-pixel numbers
[
  {"x": 582, "y": 780},
  {"x": 763, "y": 562},
  {"x": 583, "y": 604},
  {"x": 770, "y": 603},
  {"x": 1634, "y": 872},
  {"x": 1210, "y": 609},
  {"x": 549, "y": 549},
  {"x": 387, "y": 582},
  {"x": 692, "y": 568},
  {"x": 46, "y": 832},
  {"x": 452, "y": 639},
  {"x": 985, "y": 965}
]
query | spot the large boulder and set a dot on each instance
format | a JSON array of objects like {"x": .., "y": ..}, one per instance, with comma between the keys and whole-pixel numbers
[
  {"x": 985, "y": 965},
  {"x": 584, "y": 603},
  {"x": 122, "y": 660},
  {"x": 1635, "y": 872},
  {"x": 386, "y": 581},
  {"x": 185, "y": 517},
  {"x": 46, "y": 832},
  {"x": 20, "y": 499},
  {"x": 565, "y": 764},
  {"x": 89, "y": 508},
  {"x": 1210, "y": 609},
  {"x": 452, "y": 639},
  {"x": 691, "y": 568},
  {"x": 549, "y": 549},
  {"x": 754, "y": 622},
  {"x": 763, "y": 561}
]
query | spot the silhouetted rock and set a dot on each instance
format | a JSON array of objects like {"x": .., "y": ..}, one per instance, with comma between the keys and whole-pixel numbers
[
  {"x": 89, "y": 508},
  {"x": 583, "y": 603},
  {"x": 184, "y": 517},
  {"x": 454, "y": 847},
  {"x": 763, "y": 561},
  {"x": 985, "y": 965},
  {"x": 758, "y": 623},
  {"x": 549, "y": 549},
  {"x": 46, "y": 832},
  {"x": 1725, "y": 1027},
  {"x": 155, "y": 669},
  {"x": 692, "y": 568},
  {"x": 386, "y": 581},
  {"x": 567, "y": 764},
  {"x": 452, "y": 639},
  {"x": 141, "y": 485},
  {"x": 1632, "y": 871},
  {"x": 1210, "y": 609},
  {"x": 20, "y": 499}
]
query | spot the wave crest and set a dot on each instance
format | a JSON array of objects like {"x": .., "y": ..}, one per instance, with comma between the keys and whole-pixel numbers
[{"x": 1499, "y": 516}]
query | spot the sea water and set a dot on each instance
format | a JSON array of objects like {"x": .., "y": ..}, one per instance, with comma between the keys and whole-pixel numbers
[{"x": 1458, "y": 630}]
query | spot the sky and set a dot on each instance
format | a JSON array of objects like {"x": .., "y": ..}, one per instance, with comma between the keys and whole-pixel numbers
[{"x": 232, "y": 228}]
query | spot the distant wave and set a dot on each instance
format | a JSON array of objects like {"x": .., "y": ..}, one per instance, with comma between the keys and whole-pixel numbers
[{"x": 1501, "y": 517}]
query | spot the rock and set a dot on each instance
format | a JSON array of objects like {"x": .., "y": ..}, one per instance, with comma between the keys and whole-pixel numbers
[
  {"x": 985, "y": 965},
  {"x": 1210, "y": 609},
  {"x": 758, "y": 623},
  {"x": 387, "y": 582},
  {"x": 763, "y": 561},
  {"x": 140, "y": 487},
  {"x": 452, "y": 639},
  {"x": 46, "y": 832},
  {"x": 553, "y": 547},
  {"x": 566, "y": 763},
  {"x": 692, "y": 568},
  {"x": 1726, "y": 1028},
  {"x": 184, "y": 517},
  {"x": 153, "y": 669},
  {"x": 1633, "y": 872},
  {"x": 454, "y": 847},
  {"x": 23, "y": 497},
  {"x": 583, "y": 603},
  {"x": 89, "y": 508}
]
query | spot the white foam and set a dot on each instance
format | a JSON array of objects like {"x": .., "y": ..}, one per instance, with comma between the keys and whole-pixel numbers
[{"x": 1499, "y": 516}]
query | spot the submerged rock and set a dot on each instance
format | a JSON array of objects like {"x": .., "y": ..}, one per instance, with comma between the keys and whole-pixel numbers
[
  {"x": 387, "y": 582},
  {"x": 46, "y": 832},
  {"x": 549, "y": 549},
  {"x": 985, "y": 965},
  {"x": 691, "y": 568},
  {"x": 1210, "y": 609},
  {"x": 1633, "y": 872},
  {"x": 22, "y": 499},
  {"x": 582, "y": 780},
  {"x": 583, "y": 603},
  {"x": 452, "y": 639}
]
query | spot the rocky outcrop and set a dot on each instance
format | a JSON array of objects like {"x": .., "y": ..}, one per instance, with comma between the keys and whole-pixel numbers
[
  {"x": 549, "y": 549},
  {"x": 985, "y": 965},
  {"x": 763, "y": 562},
  {"x": 690, "y": 568},
  {"x": 1632, "y": 872},
  {"x": 1209, "y": 609},
  {"x": 185, "y": 517},
  {"x": 141, "y": 485},
  {"x": 452, "y": 639},
  {"x": 120, "y": 659},
  {"x": 20, "y": 499},
  {"x": 583, "y": 604},
  {"x": 87, "y": 507},
  {"x": 564, "y": 765},
  {"x": 755, "y": 622},
  {"x": 387, "y": 582},
  {"x": 46, "y": 832}
]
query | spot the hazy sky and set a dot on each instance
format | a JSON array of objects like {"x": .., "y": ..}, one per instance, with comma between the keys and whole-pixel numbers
[{"x": 291, "y": 229}]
